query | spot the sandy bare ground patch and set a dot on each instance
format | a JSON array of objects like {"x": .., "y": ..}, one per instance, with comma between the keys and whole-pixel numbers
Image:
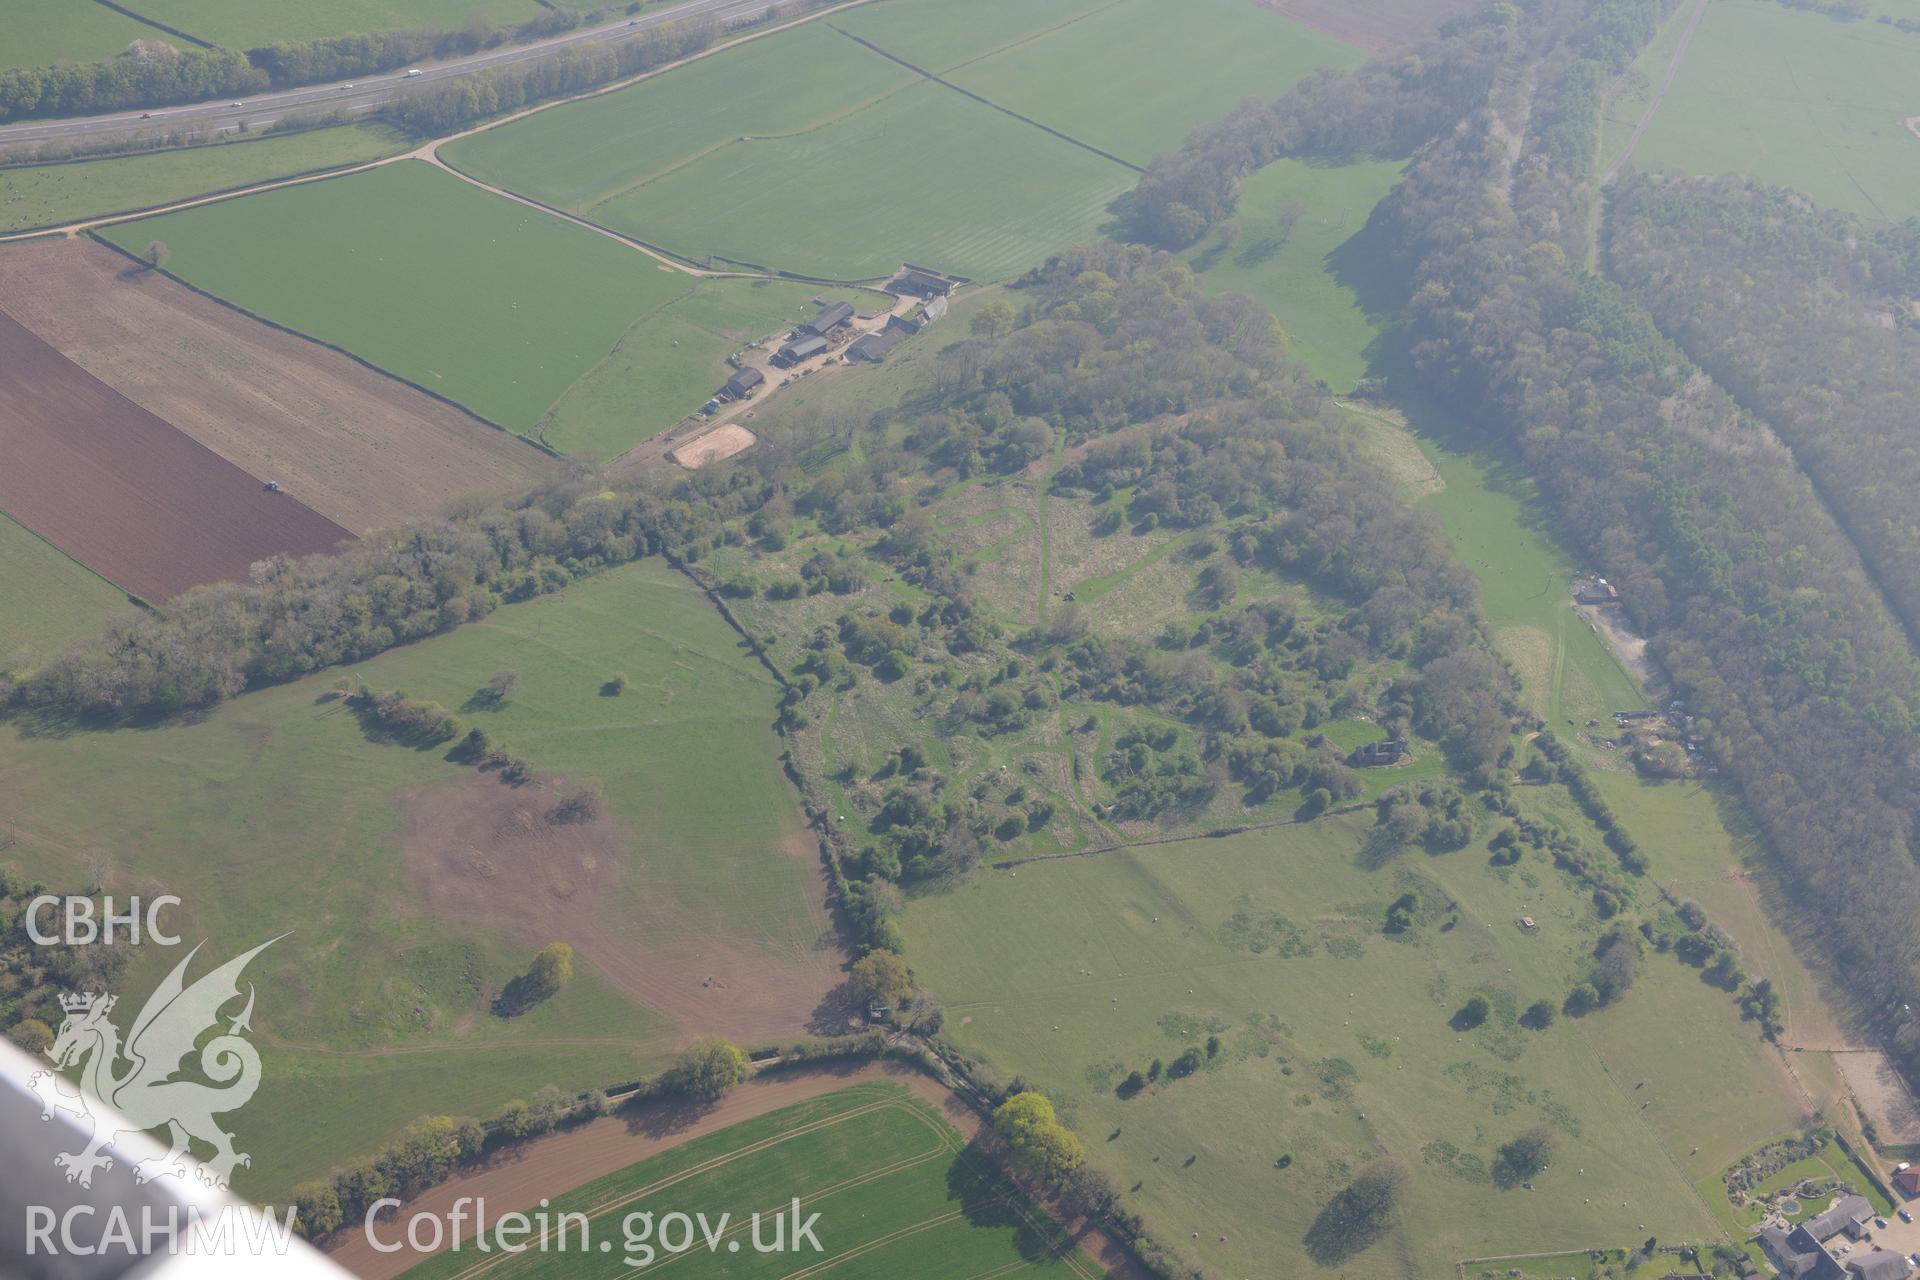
[
  {"x": 557, "y": 1163},
  {"x": 357, "y": 446},
  {"x": 723, "y": 441},
  {"x": 482, "y": 852},
  {"x": 1882, "y": 1094},
  {"x": 1628, "y": 645},
  {"x": 1378, "y": 26}
]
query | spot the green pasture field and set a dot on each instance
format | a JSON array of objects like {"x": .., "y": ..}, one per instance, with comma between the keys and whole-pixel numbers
[
  {"x": 249, "y": 24},
  {"x": 1788, "y": 97},
  {"x": 52, "y": 194},
  {"x": 674, "y": 358},
  {"x": 1336, "y": 1045},
  {"x": 896, "y": 1191},
  {"x": 580, "y": 156},
  {"x": 490, "y": 303},
  {"x": 1134, "y": 78},
  {"x": 277, "y": 812},
  {"x": 52, "y": 599},
  {"x": 1578, "y": 1265},
  {"x": 926, "y": 176},
  {"x": 1293, "y": 248},
  {"x": 40, "y": 33},
  {"x": 805, "y": 152},
  {"x": 944, "y": 37}
]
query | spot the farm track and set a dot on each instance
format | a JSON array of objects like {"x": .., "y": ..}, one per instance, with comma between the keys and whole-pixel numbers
[
  {"x": 123, "y": 491},
  {"x": 1030, "y": 38},
  {"x": 1660, "y": 96}
]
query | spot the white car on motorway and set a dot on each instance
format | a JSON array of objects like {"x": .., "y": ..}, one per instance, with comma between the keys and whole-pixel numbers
[{"x": 414, "y": 71}]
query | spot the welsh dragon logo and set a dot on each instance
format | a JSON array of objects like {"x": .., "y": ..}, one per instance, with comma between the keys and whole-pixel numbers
[{"x": 148, "y": 1093}]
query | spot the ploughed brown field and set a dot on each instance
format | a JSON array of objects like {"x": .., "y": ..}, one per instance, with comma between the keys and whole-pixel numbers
[
  {"x": 359, "y": 447},
  {"x": 125, "y": 494}
]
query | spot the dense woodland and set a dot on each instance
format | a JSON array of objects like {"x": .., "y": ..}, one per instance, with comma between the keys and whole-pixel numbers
[
  {"x": 1807, "y": 317},
  {"x": 32, "y": 975}
]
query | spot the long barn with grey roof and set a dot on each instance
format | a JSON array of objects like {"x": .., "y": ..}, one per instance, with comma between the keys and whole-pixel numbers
[{"x": 829, "y": 319}]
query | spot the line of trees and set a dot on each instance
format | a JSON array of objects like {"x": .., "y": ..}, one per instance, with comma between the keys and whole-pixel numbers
[
  {"x": 298, "y": 616},
  {"x": 157, "y": 73},
  {"x": 442, "y": 106},
  {"x": 151, "y": 73}
]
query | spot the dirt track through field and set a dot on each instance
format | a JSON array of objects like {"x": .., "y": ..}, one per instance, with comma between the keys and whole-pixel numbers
[
  {"x": 359, "y": 447},
  {"x": 1660, "y": 95},
  {"x": 552, "y": 1165},
  {"x": 123, "y": 492}
]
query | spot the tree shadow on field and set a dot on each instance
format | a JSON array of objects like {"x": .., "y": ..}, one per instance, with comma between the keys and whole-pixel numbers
[
  {"x": 989, "y": 1198},
  {"x": 837, "y": 1012},
  {"x": 519, "y": 995},
  {"x": 664, "y": 1117},
  {"x": 1379, "y": 849},
  {"x": 1334, "y": 1238},
  {"x": 54, "y": 725}
]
